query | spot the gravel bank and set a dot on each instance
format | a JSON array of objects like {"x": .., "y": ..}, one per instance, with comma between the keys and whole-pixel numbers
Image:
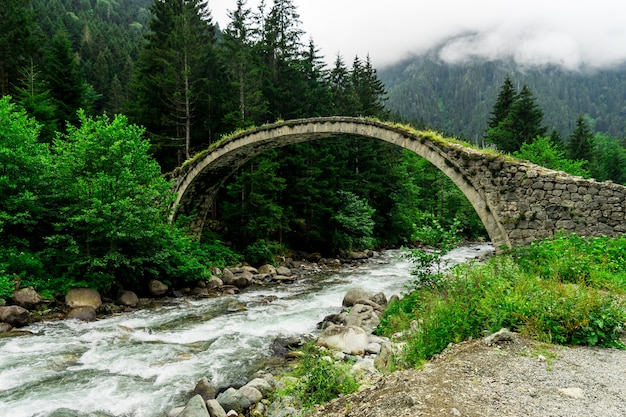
[{"x": 516, "y": 378}]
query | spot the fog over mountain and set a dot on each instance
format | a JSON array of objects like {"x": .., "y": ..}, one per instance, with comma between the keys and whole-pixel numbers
[{"x": 572, "y": 34}]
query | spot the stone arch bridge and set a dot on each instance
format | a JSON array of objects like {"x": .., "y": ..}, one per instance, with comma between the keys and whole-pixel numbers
[{"x": 517, "y": 201}]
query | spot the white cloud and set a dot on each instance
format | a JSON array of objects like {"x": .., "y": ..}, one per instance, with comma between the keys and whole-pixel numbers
[{"x": 533, "y": 32}]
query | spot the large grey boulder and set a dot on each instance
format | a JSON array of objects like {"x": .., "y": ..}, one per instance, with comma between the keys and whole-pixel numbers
[
  {"x": 232, "y": 399},
  {"x": 26, "y": 297},
  {"x": 83, "y": 313},
  {"x": 267, "y": 269},
  {"x": 262, "y": 385},
  {"x": 353, "y": 295},
  {"x": 252, "y": 394},
  {"x": 83, "y": 297},
  {"x": 205, "y": 389},
  {"x": 128, "y": 299},
  {"x": 363, "y": 316},
  {"x": 283, "y": 270},
  {"x": 350, "y": 340},
  {"x": 215, "y": 409},
  {"x": 16, "y": 316},
  {"x": 157, "y": 288},
  {"x": 196, "y": 407}
]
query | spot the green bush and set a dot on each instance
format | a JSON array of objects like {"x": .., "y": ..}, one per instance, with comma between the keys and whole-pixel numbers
[
  {"x": 321, "y": 379},
  {"x": 545, "y": 292},
  {"x": 259, "y": 253}
]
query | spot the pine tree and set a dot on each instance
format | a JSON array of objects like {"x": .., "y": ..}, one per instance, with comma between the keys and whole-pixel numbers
[
  {"x": 521, "y": 124},
  {"x": 246, "y": 105},
  {"x": 580, "y": 144},
  {"x": 34, "y": 95},
  {"x": 171, "y": 96},
  {"x": 65, "y": 80},
  {"x": 369, "y": 89},
  {"x": 18, "y": 43},
  {"x": 505, "y": 100}
]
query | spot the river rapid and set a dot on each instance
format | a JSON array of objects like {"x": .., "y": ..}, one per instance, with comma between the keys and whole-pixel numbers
[{"x": 143, "y": 363}]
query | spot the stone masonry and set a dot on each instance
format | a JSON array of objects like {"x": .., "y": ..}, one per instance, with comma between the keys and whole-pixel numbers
[{"x": 517, "y": 201}]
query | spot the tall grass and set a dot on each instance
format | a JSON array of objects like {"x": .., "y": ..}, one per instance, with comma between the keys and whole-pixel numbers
[{"x": 567, "y": 290}]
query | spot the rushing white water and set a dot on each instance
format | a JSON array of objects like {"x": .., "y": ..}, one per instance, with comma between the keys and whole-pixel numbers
[{"x": 141, "y": 364}]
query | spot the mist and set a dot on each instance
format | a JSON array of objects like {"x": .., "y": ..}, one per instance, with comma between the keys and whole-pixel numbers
[{"x": 572, "y": 34}]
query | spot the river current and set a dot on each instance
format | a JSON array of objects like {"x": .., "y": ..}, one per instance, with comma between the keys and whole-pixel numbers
[{"x": 143, "y": 363}]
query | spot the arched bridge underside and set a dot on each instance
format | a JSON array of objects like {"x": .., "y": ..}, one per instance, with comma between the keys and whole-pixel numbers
[{"x": 517, "y": 202}]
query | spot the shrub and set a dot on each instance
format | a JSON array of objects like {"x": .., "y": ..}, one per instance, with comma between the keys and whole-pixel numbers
[
  {"x": 259, "y": 253},
  {"x": 321, "y": 379}
]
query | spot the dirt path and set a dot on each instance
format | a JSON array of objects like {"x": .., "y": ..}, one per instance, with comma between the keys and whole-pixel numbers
[{"x": 516, "y": 378}]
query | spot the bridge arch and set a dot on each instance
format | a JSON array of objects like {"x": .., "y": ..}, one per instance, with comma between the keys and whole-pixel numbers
[{"x": 517, "y": 202}]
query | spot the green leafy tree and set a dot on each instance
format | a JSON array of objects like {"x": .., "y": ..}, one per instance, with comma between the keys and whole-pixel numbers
[
  {"x": 109, "y": 206},
  {"x": 24, "y": 162},
  {"x": 543, "y": 151},
  {"x": 580, "y": 145},
  {"x": 353, "y": 222}
]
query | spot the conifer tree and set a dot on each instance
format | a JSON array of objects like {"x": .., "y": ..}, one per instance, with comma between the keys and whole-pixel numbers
[
  {"x": 505, "y": 100},
  {"x": 64, "y": 78},
  {"x": 522, "y": 122},
  {"x": 17, "y": 42},
  {"x": 580, "y": 144},
  {"x": 170, "y": 83}
]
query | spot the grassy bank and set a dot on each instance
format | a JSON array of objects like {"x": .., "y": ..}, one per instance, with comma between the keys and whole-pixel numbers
[{"x": 567, "y": 290}]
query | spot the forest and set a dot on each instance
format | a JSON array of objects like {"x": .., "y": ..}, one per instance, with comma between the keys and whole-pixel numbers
[{"x": 103, "y": 97}]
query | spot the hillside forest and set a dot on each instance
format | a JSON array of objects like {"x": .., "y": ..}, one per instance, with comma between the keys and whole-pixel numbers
[{"x": 100, "y": 98}]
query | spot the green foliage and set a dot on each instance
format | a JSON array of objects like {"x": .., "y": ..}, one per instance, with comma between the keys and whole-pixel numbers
[
  {"x": 543, "y": 151},
  {"x": 521, "y": 123},
  {"x": 428, "y": 265},
  {"x": 259, "y": 253},
  {"x": 580, "y": 145},
  {"x": 545, "y": 291},
  {"x": 321, "y": 378},
  {"x": 354, "y": 223}
]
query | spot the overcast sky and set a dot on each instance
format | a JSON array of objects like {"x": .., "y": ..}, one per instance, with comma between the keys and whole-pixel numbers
[{"x": 569, "y": 33}]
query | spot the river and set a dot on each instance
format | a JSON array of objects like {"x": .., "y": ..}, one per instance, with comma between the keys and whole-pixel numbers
[{"x": 143, "y": 363}]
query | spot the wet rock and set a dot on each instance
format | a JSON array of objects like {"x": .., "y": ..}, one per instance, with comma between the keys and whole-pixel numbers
[
  {"x": 200, "y": 291},
  {"x": 227, "y": 277},
  {"x": 175, "y": 412},
  {"x": 281, "y": 346},
  {"x": 250, "y": 269},
  {"x": 26, "y": 297},
  {"x": 16, "y": 316},
  {"x": 252, "y": 394},
  {"x": 83, "y": 313},
  {"x": 353, "y": 295},
  {"x": 157, "y": 288},
  {"x": 5, "y": 327},
  {"x": 337, "y": 319},
  {"x": 232, "y": 399},
  {"x": 284, "y": 278},
  {"x": 363, "y": 316},
  {"x": 64, "y": 412},
  {"x": 128, "y": 299},
  {"x": 83, "y": 297},
  {"x": 379, "y": 299},
  {"x": 314, "y": 257},
  {"x": 215, "y": 409},
  {"x": 195, "y": 408},
  {"x": 260, "y": 384},
  {"x": 242, "y": 280},
  {"x": 358, "y": 255},
  {"x": 205, "y": 389}
]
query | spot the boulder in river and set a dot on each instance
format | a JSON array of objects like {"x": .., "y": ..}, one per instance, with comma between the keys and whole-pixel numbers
[
  {"x": 82, "y": 313},
  {"x": 83, "y": 297},
  {"x": 26, "y": 297},
  {"x": 353, "y": 295},
  {"x": 157, "y": 288},
  {"x": 196, "y": 407},
  {"x": 16, "y": 316},
  {"x": 128, "y": 299},
  {"x": 215, "y": 409},
  {"x": 205, "y": 389}
]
